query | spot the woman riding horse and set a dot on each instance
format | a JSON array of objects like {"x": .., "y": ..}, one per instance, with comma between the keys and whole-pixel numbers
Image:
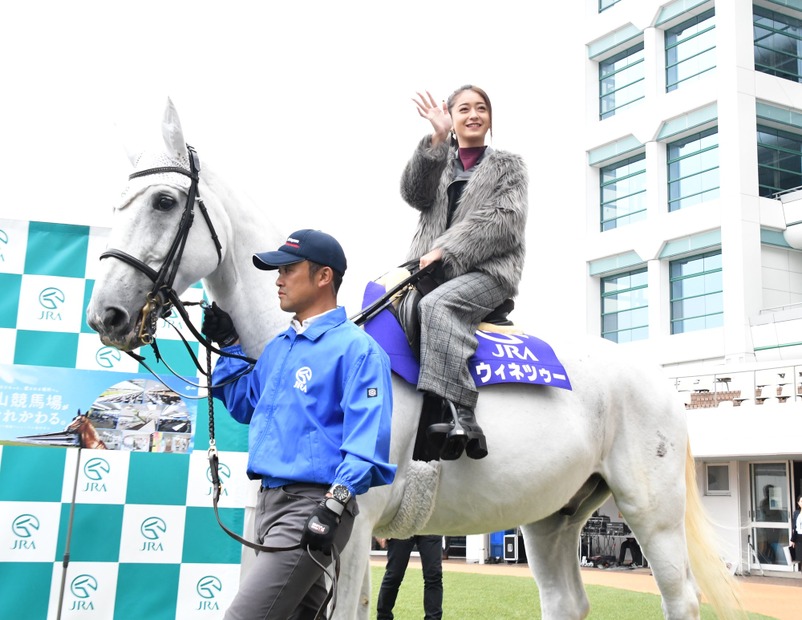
[{"x": 473, "y": 206}]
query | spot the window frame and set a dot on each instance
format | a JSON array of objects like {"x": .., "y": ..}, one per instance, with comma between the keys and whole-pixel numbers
[
  {"x": 672, "y": 279},
  {"x": 604, "y": 185},
  {"x": 606, "y": 4},
  {"x": 673, "y": 80},
  {"x": 722, "y": 491},
  {"x": 791, "y": 22},
  {"x": 608, "y": 77},
  {"x": 775, "y": 168},
  {"x": 603, "y": 296},
  {"x": 677, "y": 204}
]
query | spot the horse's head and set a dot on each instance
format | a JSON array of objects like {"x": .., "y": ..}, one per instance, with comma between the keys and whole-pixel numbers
[
  {"x": 155, "y": 251},
  {"x": 77, "y": 423}
]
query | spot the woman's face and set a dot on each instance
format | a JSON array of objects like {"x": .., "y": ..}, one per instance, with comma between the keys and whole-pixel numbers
[{"x": 470, "y": 118}]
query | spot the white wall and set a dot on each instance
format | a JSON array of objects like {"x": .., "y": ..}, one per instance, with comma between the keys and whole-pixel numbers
[
  {"x": 305, "y": 107},
  {"x": 723, "y": 512}
]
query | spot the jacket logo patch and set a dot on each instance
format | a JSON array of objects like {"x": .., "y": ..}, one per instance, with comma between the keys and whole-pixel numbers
[
  {"x": 373, "y": 392},
  {"x": 302, "y": 377}
]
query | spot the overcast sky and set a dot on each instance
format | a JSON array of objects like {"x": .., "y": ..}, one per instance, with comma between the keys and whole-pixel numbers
[{"x": 304, "y": 106}]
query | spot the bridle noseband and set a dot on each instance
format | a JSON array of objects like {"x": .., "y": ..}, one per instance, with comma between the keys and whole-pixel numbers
[{"x": 162, "y": 297}]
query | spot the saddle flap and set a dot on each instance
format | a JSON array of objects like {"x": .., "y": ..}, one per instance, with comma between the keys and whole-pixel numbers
[
  {"x": 500, "y": 357},
  {"x": 408, "y": 316}
]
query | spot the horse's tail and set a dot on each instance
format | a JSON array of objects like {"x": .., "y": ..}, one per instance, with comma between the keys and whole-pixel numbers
[{"x": 716, "y": 582}]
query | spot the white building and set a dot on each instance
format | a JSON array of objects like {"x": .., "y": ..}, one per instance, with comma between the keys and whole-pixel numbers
[{"x": 693, "y": 236}]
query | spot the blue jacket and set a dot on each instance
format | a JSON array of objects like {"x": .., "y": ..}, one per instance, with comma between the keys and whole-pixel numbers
[{"x": 318, "y": 404}]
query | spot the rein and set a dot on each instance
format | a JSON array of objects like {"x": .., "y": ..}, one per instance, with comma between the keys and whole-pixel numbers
[{"x": 364, "y": 315}]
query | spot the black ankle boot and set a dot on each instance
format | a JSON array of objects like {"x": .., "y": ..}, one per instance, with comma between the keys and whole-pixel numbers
[
  {"x": 476, "y": 444},
  {"x": 460, "y": 434}
]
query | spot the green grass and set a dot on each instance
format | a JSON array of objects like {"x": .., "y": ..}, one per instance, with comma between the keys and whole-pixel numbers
[{"x": 472, "y": 596}]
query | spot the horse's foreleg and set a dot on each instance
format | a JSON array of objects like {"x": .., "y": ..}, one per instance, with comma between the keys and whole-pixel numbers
[{"x": 552, "y": 547}]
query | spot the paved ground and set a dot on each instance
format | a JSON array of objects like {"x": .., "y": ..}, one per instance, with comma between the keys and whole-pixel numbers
[{"x": 776, "y": 597}]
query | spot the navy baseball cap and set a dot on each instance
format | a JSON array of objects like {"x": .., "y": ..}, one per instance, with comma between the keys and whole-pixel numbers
[{"x": 306, "y": 244}]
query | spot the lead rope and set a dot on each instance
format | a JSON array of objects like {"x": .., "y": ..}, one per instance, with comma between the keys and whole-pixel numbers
[
  {"x": 214, "y": 461},
  {"x": 216, "y": 488}
]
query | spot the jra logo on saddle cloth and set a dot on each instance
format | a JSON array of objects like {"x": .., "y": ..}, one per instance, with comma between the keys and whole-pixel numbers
[{"x": 499, "y": 358}]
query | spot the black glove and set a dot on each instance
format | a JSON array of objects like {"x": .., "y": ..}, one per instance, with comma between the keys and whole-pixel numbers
[
  {"x": 218, "y": 326},
  {"x": 321, "y": 526}
]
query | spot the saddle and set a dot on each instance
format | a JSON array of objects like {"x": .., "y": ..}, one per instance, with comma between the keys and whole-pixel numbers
[{"x": 405, "y": 306}]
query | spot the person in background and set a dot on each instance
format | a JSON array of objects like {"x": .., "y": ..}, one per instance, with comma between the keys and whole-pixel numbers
[
  {"x": 768, "y": 546},
  {"x": 634, "y": 550},
  {"x": 430, "y": 549},
  {"x": 472, "y": 203},
  {"x": 318, "y": 404}
]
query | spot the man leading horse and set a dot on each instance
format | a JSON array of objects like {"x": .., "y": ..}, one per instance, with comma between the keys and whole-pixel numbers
[{"x": 318, "y": 403}]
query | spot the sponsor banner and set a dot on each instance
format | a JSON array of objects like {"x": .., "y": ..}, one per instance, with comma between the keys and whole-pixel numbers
[
  {"x": 116, "y": 411},
  {"x": 133, "y": 513}
]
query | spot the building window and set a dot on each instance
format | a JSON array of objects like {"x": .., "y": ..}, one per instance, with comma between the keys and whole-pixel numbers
[
  {"x": 690, "y": 49},
  {"x": 779, "y": 160},
  {"x": 606, "y": 4},
  {"x": 697, "y": 298},
  {"x": 717, "y": 479},
  {"x": 621, "y": 81},
  {"x": 623, "y": 192},
  {"x": 778, "y": 44},
  {"x": 625, "y": 306},
  {"x": 693, "y": 170}
]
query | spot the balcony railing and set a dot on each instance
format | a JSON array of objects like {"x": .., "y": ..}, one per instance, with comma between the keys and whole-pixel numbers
[{"x": 782, "y": 384}]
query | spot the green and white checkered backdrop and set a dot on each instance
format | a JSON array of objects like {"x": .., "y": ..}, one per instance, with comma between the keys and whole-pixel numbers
[{"x": 141, "y": 538}]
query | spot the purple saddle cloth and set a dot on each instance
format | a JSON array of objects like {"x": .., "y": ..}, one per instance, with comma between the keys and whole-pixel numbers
[{"x": 499, "y": 358}]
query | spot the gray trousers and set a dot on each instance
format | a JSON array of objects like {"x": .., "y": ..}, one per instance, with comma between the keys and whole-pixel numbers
[
  {"x": 449, "y": 317},
  {"x": 283, "y": 585}
]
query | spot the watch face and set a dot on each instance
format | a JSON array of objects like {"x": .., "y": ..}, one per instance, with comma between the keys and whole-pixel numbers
[{"x": 340, "y": 492}]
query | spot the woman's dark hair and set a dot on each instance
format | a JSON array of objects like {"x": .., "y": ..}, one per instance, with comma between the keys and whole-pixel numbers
[{"x": 478, "y": 91}]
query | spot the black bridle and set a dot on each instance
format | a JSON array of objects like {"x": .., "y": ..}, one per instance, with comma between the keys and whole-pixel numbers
[{"x": 162, "y": 296}]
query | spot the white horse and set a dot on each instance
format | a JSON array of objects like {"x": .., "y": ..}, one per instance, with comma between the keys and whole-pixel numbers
[{"x": 555, "y": 455}]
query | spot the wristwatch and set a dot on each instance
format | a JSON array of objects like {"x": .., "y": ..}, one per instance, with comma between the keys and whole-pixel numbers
[{"x": 341, "y": 493}]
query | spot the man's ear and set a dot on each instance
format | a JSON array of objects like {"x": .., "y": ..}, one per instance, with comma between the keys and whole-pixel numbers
[{"x": 326, "y": 276}]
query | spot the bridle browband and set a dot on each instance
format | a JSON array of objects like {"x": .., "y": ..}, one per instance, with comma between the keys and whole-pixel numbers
[{"x": 162, "y": 296}]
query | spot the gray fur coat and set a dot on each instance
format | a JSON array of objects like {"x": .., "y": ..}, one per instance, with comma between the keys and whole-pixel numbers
[{"x": 487, "y": 231}]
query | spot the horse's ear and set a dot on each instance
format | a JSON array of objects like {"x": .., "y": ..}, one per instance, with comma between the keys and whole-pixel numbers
[
  {"x": 131, "y": 153},
  {"x": 132, "y": 157},
  {"x": 172, "y": 133}
]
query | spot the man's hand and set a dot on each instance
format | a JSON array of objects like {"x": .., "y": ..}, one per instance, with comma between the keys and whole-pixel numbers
[
  {"x": 320, "y": 528},
  {"x": 218, "y": 326}
]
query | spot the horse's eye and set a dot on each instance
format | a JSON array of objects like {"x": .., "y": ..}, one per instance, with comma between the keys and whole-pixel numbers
[{"x": 164, "y": 202}]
